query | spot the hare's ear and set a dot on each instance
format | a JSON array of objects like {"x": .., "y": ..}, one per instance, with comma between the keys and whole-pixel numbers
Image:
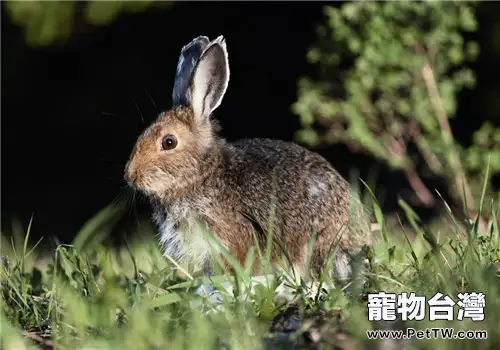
[
  {"x": 190, "y": 54},
  {"x": 210, "y": 79}
]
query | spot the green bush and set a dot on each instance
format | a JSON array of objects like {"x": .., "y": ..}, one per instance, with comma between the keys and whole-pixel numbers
[
  {"x": 46, "y": 22},
  {"x": 388, "y": 75}
]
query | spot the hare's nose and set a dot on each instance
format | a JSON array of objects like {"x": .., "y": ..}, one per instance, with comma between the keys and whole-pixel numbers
[{"x": 130, "y": 175}]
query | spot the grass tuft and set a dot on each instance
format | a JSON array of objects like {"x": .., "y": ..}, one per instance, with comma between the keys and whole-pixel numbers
[{"x": 88, "y": 296}]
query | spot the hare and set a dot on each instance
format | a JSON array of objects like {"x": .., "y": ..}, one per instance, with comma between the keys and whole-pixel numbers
[{"x": 193, "y": 176}]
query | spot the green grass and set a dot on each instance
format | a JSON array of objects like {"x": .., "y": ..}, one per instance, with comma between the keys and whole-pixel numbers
[{"x": 87, "y": 296}]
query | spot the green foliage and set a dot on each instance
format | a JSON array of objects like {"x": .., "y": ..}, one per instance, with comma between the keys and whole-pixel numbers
[
  {"x": 45, "y": 22},
  {"x": 133, "y": 299},
  {"x": 388, "y": 78},
  {"x": 486, "y": 147}
]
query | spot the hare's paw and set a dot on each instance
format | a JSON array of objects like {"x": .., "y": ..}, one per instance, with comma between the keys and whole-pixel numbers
[
  {"x": 210, "y": 293},
  {"x": 315, "y": 289}
]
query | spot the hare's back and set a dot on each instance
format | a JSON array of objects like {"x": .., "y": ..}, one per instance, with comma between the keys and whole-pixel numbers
[
  {"x": 289, "y": 159},
  {"x": 306, "y": 184}
]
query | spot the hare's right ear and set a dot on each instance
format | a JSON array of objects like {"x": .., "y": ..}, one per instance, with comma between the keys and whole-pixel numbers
[
  {"x": 190, "y": 54},
  {"x": 210, "y": 79}
]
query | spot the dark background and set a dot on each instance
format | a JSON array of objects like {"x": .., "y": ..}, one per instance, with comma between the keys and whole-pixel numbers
[{"x": 71, "y": 113}]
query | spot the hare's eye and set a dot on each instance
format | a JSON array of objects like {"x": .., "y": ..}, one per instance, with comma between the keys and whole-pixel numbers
[{"x": 169, "y": 142}]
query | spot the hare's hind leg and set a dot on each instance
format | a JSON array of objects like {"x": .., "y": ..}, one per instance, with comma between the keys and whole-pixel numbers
[
  {"x": 345, "y": 271},
  {"x": 340, "y": 251}
]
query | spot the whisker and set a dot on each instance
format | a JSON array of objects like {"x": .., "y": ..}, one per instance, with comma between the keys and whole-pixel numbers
[
  {"x": 119, "y": 197},
  {"x": 130, "y": 201},
  {"x": 136, "y": 213},
  {"x": 138, "y": 110},
  {"x": 151, "y": 98}
]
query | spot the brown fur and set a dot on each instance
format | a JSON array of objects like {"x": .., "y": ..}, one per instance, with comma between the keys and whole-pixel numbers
[{"x": 231, "y": 189}]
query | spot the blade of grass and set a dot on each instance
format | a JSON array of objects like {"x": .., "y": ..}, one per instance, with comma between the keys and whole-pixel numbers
[
  {"x": 164, "y": 300},
  {"x": 178, "y": 266},
  {"x": 25, "y": 244},
  {"x": 95, "y": 230},
  {"x": 413, "y": 254},
  {"x": 485, "y": 185},
  {"x": 378, "y": 212}
]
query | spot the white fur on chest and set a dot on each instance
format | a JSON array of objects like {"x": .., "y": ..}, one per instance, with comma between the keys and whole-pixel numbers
[{"x": 183, "y": 235}]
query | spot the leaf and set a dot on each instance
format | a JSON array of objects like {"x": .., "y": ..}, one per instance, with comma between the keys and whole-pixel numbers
[{"x": 164, "y": 300}]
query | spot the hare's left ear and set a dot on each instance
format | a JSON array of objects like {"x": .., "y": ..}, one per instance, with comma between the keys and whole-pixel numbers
[
  {"x": 190, "y": 54},
  {"x": 210, "y": 79}
]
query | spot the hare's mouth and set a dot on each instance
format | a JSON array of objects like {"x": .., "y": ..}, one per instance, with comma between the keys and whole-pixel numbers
[
  {"x": 140, "y": 185},
  {"x": 136, "y": 182},
  {"x": 155, "y": 183},
  {"x": 146, "y": 191}
]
